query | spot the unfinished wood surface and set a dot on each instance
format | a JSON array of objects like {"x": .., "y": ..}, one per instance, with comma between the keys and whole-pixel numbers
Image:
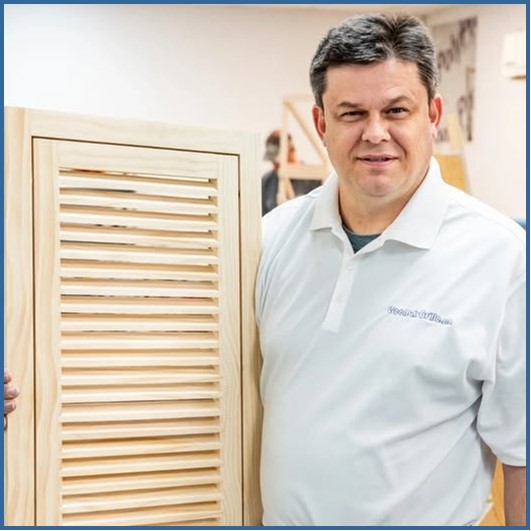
[
  {"x": 285, "y": 188},
  {"x": 228, "y": 319},
  {"x": 455, "y": 133},
  {"x": 496, "y": 514},
  {"x": 47, "y": 335},
  {"x": 300, "y": 170},
  {"x": 290, "y": 104},
  {"x": 453, "y": 170},
  {"x": 119, "y": 246},
  {"x": 126, "y": 403},
  {"x": 18, "y": 321},
  {"x": 453, "y": 167},
  {"x": 49, "y": 124},
  {"x": 250, "y": 244}
]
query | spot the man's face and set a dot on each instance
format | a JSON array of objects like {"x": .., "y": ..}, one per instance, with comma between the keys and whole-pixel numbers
[{"x": 378, "y": 127}]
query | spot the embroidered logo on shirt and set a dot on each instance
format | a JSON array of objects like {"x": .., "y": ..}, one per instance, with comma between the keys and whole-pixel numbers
[{"x": 419, "y": 314}]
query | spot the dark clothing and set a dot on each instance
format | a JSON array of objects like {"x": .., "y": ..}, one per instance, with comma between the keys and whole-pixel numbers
[
  {"x": 358, "y": 241},
  {"x": 270, "y": 189}
]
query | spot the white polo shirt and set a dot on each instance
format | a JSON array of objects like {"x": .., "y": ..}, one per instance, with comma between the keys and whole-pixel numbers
[{"x": 391, "y": 374}]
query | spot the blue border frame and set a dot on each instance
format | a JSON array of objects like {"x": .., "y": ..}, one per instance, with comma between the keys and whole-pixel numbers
[
  {"x": 528, "y": 520},
  {"x": 527, "y": 297}
]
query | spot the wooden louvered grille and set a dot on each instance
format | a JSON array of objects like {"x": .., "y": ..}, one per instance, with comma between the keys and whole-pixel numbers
[{"x": 146, "y": 344}]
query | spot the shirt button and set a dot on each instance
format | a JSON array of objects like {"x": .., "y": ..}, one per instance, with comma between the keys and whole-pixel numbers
[{"x": 350, "y": 267}]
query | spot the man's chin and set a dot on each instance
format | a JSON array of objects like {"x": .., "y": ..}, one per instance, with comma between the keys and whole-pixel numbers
[{"x": 379, "y": 186}]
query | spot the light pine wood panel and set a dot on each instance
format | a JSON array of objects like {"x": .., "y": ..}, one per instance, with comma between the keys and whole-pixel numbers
[
  {"x": 229, "y": 335},
  {"x": 191, "y": 197},
  {"x": 19, "y": 461},
  {"x": 48, "y": 124},
  {"x": 125, "y": 404},
  {"x": 195, "y": 169},
  {"x": 47, "y": 336},
  {"x": 250, "y": 242}
]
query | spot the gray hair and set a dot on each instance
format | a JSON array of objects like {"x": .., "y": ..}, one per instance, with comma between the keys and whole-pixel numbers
[{"x": 375, "y": 38}]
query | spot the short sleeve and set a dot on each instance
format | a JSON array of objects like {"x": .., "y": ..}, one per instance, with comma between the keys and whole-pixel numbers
[{"x": 502, "y": 412}]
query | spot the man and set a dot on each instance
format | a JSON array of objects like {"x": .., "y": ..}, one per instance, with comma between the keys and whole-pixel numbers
[
  {"x": 10, "y": 395},
  {"x": 391, "y": 310}
]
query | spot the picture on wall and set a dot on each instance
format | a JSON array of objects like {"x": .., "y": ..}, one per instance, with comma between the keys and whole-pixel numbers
[{"x": 455, "y": 43}]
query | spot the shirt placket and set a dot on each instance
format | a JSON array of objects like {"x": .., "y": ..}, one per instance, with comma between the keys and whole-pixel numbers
[{"x": 342, "y": 290}]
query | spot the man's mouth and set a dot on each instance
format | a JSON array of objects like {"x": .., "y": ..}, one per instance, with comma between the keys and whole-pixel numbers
[{"x": 377, "y": 158}]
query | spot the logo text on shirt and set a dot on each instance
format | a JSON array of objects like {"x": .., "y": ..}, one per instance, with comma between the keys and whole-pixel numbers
[{"x": 419, "y": 314}]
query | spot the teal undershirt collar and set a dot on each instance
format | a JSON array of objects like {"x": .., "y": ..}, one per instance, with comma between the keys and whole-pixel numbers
[{"x": 358, "y": 241}]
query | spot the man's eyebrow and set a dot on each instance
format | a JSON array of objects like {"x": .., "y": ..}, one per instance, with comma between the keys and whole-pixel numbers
[
  {"x": 398, "y": 99},
  {"x": 348, "y": 105},
  {"x": 389, "y": 103}
]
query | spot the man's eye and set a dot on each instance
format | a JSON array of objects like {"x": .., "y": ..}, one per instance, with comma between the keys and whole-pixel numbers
[
  {"x": 350, "y": 114},
  {"x": 397, "y": 110}
]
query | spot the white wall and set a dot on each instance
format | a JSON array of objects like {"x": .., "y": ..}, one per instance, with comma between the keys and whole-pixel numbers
[
  {"x": 224, "y": 66},
  {"x": 229, "y": 66},
  {"x": 495, "y": 159}
]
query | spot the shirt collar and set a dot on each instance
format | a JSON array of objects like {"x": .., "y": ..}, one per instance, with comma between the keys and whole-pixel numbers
[{"x": 417, "y": 224}]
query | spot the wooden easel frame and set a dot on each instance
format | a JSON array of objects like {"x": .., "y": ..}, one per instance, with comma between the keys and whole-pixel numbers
[
  {"x": 298, "y": 170},
  {"x": 453, "y": 167}
]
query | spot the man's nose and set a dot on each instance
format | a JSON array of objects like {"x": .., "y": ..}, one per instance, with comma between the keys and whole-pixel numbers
[{"x": 375, "y": 130}]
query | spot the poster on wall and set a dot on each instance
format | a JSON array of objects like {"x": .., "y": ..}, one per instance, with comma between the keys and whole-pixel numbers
[{"x": 455, "y": 45}]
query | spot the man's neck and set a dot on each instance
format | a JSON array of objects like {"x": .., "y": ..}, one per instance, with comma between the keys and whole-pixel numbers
[
  {"x": 365, "y": 215},
  {"x": 369, "y": 216}
]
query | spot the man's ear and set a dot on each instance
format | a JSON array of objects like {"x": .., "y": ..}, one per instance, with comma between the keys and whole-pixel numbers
[
  {"x": 319, "y": 122},
  {"x": 435, "y": 114}
]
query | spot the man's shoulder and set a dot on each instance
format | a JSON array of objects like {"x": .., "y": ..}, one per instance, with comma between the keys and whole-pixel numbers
[
  {"x": 287, "y": 217},
  {"x": 488, "y": 221}
]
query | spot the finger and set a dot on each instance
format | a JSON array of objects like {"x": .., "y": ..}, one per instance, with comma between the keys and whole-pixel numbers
[
  {"x": 9, "y": 406},
  {"x": 7, "y": 376},
  {"x": 10, "y": 392},
  {"x": 5, "y": 423}
]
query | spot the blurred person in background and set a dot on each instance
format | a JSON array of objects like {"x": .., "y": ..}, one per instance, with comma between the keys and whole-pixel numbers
[{"x": 270, "y": 180}]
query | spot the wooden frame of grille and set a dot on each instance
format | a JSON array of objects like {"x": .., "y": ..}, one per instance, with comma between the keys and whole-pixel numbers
[{"x": 22, "y": 127}]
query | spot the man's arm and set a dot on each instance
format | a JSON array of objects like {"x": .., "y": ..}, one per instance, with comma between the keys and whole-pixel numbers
[{"x": 514, "y": 479}]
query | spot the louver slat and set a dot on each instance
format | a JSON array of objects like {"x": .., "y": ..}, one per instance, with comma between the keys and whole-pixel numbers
[
  {"x": 86, "y": 322},
  {"x": 144, "y": 186},
  {"x": 145, "y": 289},
  {"x": 138, "y": 202},
  {"x": 172, "y": 515},
  {"x": 91, "y": 431},
  {"x": 139, "y": 380},
  {"x": 138, "y": 305},
  {"x": 158, "y": 498},
  {"x": 109, "y": 253},
  {"x": 146, "y": 463},
  {"x": 128, "y": 482},
  {"x": 114, "y": 270},
  {"x": 141, "y": 447},
  {"x": 158, "y": 358},
  {"x": 155, "y": 238}
]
